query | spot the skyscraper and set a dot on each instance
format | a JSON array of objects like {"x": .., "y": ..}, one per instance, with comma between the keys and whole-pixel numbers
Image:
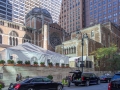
[
  {"x": 16, "y": 10},
  {"x": 72, "y": 15},
  {"x": 99, "y": 11},
  {"x": 53, "y": 6},
  {"x": 5, "y": 10}
]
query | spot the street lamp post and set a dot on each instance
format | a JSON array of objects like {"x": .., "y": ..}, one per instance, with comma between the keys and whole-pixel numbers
[
  {"x": 82, "y": 43},
  {"x": 62, "y": 49}
]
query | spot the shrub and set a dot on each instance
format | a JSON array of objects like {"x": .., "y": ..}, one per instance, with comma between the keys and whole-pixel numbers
[
  {"x": 2, "y": 61},
  {"x": 57, "y": 64},
  {"x": 35, "y": 62},
  {"x": 50, "y": 63},
  {"x": 27, "y": 62},
  {"x": 50, "y": 77},
  {"x": 67, "y": 64},
  {"x": 42, "y": 63},
  {"x": 10, "y": 61},
  {"x": 27, "y": 77},
  {"x": 63, "y": 64},
  {"x": 20, "y": 62}
]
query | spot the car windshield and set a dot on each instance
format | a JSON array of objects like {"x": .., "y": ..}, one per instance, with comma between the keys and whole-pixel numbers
[
  {"x": 116, "y": 76},
  {"x": 103, "y": 76},
  {"x": 86, "y": 74}
]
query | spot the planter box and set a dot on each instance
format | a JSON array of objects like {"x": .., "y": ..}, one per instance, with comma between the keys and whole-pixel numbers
[
  {"x": 19, "y": 64},
  {"x": 35, "y": 65},
  {"x": 50, "y": 66},
  {"x": 27, "y": 65},
  {"x": 10, "y": 65},
  {"x": 57, "y": 66},
  {"x": 42, "y": 65},
  {"x": 1, "y": 64},
  {"x": 67, "y": 66},
  {"x": 62, "y": 66}
]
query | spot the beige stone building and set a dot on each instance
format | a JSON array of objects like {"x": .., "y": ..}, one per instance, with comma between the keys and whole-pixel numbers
[
  {"x": 100, "y": 35},
  {"x": 39, "y": 30}
]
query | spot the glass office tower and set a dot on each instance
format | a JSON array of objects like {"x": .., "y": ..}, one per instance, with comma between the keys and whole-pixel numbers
[
  {"x": 15, "y": 10},
  {"x": 5, "y": 10}
]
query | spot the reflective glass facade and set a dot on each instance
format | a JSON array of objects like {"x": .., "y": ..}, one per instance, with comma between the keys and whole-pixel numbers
[
  {"x": 15, "y": 10},
  {"x": 5, "y": 10}
]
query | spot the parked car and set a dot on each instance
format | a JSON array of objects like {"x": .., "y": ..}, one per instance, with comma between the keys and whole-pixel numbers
[
  {"x": 105, "y": 78},
  {"x": 36, "y": 83},
  {"x": 115, "y": 82},
  {"x": 84, "y": 78}
]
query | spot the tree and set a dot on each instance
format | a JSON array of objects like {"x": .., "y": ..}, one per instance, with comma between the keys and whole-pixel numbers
[
  {"x": 114, "y": 63},
  {"x": 111, "y": 51},
  {"x": 101, "y": 52}
]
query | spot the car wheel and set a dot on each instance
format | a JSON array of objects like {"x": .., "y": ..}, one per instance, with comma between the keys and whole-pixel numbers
[
  {"x": 98, "y": 82},
  {"x": 87, "y": 83},
  {"x": 30, "y": 89},
  {"x": 76, "y": 84},
  {"x": 59, "y": 87}
]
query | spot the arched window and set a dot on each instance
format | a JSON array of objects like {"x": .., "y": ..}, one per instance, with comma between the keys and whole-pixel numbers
[
  {"x": 74, "y": 49},
  {"x": 69, "y": 51},
  {"x": 13, "y": 40},
  {"x": 92, "y": 33},
  {"x": 26, "y": 38},
  {"x": 1, "y": 35}
]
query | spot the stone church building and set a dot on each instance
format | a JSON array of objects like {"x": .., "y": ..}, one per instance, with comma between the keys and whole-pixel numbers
[
  {"x": 100, "y": 35},
  {"x": 39, "y": 29}
]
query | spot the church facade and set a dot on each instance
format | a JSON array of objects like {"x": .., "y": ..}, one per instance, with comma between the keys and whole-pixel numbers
[
  {"x": 39, "y": 30},
  {"x": 100, "y": 35}
]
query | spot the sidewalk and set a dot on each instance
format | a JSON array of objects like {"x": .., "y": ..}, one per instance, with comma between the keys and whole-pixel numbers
[{"x": 6, "y": 88}]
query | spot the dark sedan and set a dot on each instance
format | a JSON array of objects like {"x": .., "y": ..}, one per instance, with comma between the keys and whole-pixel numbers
[
  {"x": 105, "y": 78},
  {"x": 115, "y": 82},
  {"x": 37, "y": 83}
]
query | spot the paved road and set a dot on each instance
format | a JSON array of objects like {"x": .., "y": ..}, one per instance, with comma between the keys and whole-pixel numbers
[{"x": 102, "y": 86}]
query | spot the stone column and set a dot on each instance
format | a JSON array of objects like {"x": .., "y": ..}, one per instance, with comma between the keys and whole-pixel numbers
[{"x": 45, "y": 46}]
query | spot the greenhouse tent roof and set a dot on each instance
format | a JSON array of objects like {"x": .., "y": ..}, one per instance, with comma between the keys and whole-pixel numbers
[{"x": 28, "y": 51}]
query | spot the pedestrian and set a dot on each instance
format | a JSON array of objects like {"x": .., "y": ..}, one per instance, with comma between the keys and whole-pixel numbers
[
  {"x": 17, "y": 78},
  {"x": 20, "y": 77}
]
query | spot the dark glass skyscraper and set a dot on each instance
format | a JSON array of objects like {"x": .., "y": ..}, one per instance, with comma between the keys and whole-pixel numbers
[
  {"x": 100, "y": 11},
  {"x": 5, "y": 10}
]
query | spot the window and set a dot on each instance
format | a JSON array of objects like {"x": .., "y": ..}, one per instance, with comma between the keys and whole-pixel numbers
[
  {"x": 0, "y": 36},
  {"x": 46, "y": 80},
  {"x": 37, "y": 80},
  {"x": 27, "y": 38},
  {"x": 13, "y": 40},
  {"x": 92, "y": 33}
]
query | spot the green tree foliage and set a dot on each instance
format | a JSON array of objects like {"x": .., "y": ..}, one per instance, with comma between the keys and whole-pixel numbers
[
  {"x": 101, "y": 52},
  {"x": 114, "y": 63},
  {"x": 113, "y": 57}
]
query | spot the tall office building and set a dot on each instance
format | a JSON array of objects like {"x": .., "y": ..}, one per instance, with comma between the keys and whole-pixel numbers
[
  {"x": 72, "y": 15},
  {"x": 99, "y": 11},
  {"x": 53, "y": 6},
  {"x": 16, "y": 10},
  {"x": 5, "y": 10}
]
